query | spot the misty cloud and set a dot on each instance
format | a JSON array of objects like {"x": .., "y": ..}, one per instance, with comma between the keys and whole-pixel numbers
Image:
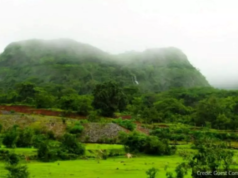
[{"x": 205, "y": 30}]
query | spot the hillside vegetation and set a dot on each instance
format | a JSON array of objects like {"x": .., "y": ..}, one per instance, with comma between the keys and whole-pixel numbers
[
  {"x": 69, "y": 64},
  {"x": 145, "y": 103}
]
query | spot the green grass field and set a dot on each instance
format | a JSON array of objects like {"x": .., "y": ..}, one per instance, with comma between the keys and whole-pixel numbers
[{"x": 118, "y": 167}]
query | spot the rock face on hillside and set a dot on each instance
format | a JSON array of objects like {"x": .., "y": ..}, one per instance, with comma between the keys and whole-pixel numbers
[
  {"x": 96, "y": 132},
  {"x": 80, "y": 66}
]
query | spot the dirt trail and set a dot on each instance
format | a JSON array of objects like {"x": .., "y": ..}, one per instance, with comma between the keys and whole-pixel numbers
[{"x": 31, "y": 110}]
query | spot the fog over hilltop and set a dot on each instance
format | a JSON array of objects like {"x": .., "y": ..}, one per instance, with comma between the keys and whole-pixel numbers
[{"x": 205, "y": 30}]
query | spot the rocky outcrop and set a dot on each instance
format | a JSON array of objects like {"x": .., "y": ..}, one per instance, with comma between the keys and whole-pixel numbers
[{"x": 96, "y": 132}]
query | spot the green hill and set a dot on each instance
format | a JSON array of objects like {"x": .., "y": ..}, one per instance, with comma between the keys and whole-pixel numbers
[{"x": 80, "y": 66}]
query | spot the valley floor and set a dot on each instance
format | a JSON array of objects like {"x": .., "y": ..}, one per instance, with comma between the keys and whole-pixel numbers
[{"x": 118, "y": 167}]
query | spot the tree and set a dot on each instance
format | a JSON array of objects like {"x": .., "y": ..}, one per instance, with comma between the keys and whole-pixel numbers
[
  {"x": 209, "y": 158},
  {"x": 10, "y": 137},
  {"x": 109, "y": 98},
  {"x": 26, "y": 92},
  {"x": 71, "y": 145},
  {"x": 25, "y": 137},
  {"x": 43, "y": 152},
  {"x": 69, "y": 102},
  {"x": 44, "y": 99},
  {"x": 208, "y": 110},
  {"x": 15, "y": 170},
  {"x": 84, "y": 105},
  {"x": 151, "y": 173}
]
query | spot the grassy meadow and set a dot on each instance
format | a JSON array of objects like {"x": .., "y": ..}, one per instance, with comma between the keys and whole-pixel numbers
[{"x": 116, "y": 167}]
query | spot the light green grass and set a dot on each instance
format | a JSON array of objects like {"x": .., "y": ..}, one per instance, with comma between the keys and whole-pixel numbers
[
  {"x": 119, "y": 167},
  {"x": 22, "y": 151},
  {"x": 103, "y": 146},
  {"x": 32, "y": 151},
  {"x": 116, "y": 168}
]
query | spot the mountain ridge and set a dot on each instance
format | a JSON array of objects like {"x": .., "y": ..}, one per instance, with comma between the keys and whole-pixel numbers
[{"x": 70, "y": 63}]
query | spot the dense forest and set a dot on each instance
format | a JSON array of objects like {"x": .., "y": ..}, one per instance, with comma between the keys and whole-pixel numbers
[
  {"x": 68, "y": 64},
  {"x": 157, "y": 85}
]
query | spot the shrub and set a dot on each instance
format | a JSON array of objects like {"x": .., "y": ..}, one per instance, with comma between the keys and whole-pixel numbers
[
  {"x": 25, "y": 138},
  {"x": 12, "y": 158},
  {"x": 72, "y": 145},
  {"x": 46, "y": 152},
  {"x": 137, "y": 142},
  {"x": 161, "y": 133},
  {"x": 93, "y": 116},
  {"x": 4, "y": 154},
  {"x": 18, "y": 171},
  {"x": 154, "y": 146},
  {"x": 38, "y": 139},
  {"x": 128, "y": 124},
  {"x": 84, "y": 105},
  {"x": 151, "y": 173},
  {"x": 10, "y": 137},
  {"x": 133, "y": 142},
  {"x": 1, "y": 127},
  {"x": 68, "y": 148},
  {"x": 15, "y": 170},
  {"x": 76, "y": 129},
  {"x": 50, "y": 135}
]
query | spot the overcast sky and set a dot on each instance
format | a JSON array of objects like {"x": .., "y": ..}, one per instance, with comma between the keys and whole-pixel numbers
[{"x": 206, "y": 30}]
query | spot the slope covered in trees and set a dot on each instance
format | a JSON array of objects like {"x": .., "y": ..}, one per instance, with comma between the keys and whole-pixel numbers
[{"x": 68, "y": 64}]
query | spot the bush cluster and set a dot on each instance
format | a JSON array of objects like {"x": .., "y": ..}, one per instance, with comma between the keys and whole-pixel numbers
[
  {"x": 128, "y": 124},
  {"x": 68, "y": 148},
  {"x": 141, "y": 143}
]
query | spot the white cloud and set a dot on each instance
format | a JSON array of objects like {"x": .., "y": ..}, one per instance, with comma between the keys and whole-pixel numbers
[{"x": 206, "y": 30}]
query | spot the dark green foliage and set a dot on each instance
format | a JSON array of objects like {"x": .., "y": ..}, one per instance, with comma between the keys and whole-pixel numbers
[
  {"x": 151, "y": 173},
  {"x": 151, "y": 115},
  {"x": 50, "y": 135},
  {"x": 68, "y": 148},
  {"x": 43, "y": 99},
  {"x": 17, "y": 171},
  {"x": 71, "y": 145},
  {"x": 47, "y": 152},
  {"x": 25, "y": 137},
  {"x": 154, "y": 146},
  {"x": 84, "y": 105},
  {"x": 210, "y": 157},
  {"x": 109, "y": 98},
  {"x": 10, "y": 137},
  {"x": 26, "y": 92},
  {"x": 0, "y": 127},
  {"x": 38, "y": 139},
  {"x": 4, "y": 155},
  {"x": 128, "y": 124},
  {"x": 77, "y": 128},
  {"x": 69, "y": 102},
  {"x": 12, "y": 158},
  {"x": 136, "y": 142},
  {"x": 94, "y": 116},
  {"x": 81, "y": 67},
  {"x": 44, "y": 74},
  {"x": 169, "y": 106}
]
